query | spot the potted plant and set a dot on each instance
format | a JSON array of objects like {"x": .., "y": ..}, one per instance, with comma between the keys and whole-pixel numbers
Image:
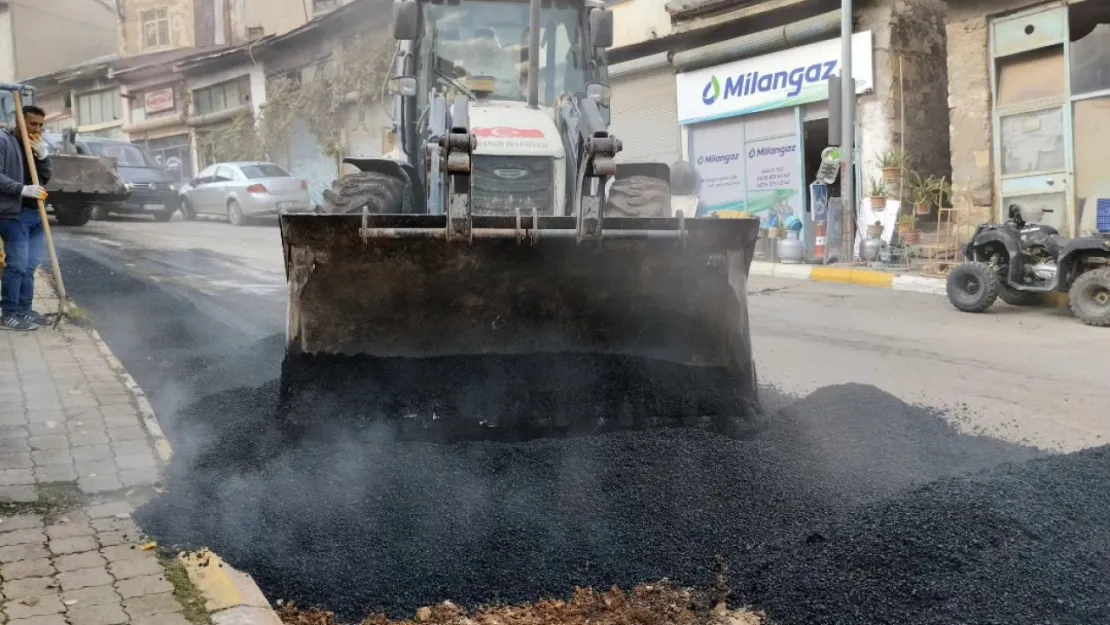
[
  {"x": 924, "y": 191},
  {"x": 892, "y": 162},
  {"x": 877, "y": 190},
  {"x": 907, "y": 228},
  {"x": 875, "y": 230}
]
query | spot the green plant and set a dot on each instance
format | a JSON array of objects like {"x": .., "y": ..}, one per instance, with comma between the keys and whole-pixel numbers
[
  {"x": 921, "y": 187},
  {"x": 906, "y": 220},
  {"x": 353, "y": 76},
  {"x": 876, "y": 188},
  {"x": 893, "y": 159}
]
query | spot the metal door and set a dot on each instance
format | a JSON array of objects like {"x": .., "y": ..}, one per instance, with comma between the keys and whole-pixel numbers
[
  {"x": 645, "y": 116},
  {"x": 1029, "y": 78}
]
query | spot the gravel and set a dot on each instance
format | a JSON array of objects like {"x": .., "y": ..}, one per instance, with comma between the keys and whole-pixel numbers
[
  {"x": 351, "y": 520},
  {"x": 1019, "y": 544}
]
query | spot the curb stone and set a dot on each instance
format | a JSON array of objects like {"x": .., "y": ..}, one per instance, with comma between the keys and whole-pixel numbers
[
  {"x": 871, "y": 278},
  {"x": 231, "y": 596}
]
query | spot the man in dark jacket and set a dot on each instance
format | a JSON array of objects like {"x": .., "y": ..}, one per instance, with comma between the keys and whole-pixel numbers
[{"x": 21, "y": 225}]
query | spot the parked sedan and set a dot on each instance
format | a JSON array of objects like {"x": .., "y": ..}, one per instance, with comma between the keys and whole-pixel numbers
[{"x": 243, "y": 191}]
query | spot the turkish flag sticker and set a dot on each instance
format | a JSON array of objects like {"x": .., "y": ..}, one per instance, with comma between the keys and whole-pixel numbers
[{"x": 504, "y": 132}]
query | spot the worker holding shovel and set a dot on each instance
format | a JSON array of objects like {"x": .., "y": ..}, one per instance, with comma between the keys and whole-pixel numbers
[{"x": 21, "y": 225}]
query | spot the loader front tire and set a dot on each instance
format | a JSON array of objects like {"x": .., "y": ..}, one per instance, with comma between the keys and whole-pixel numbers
[
  {"x": 638, "y": 196},
  {"x": 380, "y": 193}
]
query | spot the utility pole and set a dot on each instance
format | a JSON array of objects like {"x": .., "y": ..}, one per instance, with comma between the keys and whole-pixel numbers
[{"x": 848, "y": 134}]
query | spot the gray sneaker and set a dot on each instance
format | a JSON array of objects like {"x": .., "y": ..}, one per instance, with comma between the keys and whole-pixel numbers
[
  {"x": 17, "y": 324},
  {"x": 39, "y": 319}
]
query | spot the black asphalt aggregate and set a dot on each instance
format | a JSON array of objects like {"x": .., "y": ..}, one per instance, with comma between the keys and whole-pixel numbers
[{"x": 812, "y": 515}]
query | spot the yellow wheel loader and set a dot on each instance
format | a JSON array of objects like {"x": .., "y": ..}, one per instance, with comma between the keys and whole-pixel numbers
[{"x": 498, "y": 275}]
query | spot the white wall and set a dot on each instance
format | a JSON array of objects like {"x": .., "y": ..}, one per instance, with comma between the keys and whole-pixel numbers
[
  {"x": 7, "y": 49},
  {"x": 215, "y": 78},
  {"x": 635, "y": 21}
]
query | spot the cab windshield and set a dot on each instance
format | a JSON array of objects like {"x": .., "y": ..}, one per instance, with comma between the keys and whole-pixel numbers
[{"x": 490, "y": 38}]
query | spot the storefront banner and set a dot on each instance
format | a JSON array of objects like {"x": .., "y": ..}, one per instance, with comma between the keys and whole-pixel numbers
[
  {"x": 780, "y": 79},
  {"x": 772, "y": 169},
  {"x": 717, "y": 155}
]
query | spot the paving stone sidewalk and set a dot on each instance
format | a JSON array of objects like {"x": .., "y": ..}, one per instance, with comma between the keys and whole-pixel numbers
[{"x": 75, "y": 460}]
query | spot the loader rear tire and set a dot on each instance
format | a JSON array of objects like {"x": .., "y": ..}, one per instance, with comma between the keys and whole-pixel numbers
[
  {"x": 380, "y": 193},
  {"x": 638, "y": 196}
]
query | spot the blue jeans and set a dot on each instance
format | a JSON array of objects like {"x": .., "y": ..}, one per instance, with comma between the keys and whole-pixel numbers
[{"x": 23, "y": 243}]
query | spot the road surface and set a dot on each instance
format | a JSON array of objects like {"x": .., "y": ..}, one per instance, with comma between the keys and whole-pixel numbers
[{"x": 1025, "y": 375}]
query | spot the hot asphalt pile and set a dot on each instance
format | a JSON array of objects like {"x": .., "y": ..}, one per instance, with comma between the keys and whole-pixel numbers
[
  {"x": 1020, "y": 544},
  {"x": 347, "y": 519}
]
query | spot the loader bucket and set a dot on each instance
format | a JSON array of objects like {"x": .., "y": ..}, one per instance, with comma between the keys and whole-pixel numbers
[
  {"x": 90, "y": 179},
  {"x": 521, "y": 332}
]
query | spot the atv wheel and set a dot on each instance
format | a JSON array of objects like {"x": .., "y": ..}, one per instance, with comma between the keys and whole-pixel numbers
[
  {"x": 1090, "y": 298},
  {"x": 72, "y": 216},
  {"x": 1015, "y": 297},
  {"x": 972, "y": 287},
  {"x": 638, "y": 196},
  {"x": 380, "y": 193}
]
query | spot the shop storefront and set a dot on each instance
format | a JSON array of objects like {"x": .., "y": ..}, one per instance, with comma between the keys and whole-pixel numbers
[
  {"x": 172, "y": 153},
  {"x": 754, "y": 128}
]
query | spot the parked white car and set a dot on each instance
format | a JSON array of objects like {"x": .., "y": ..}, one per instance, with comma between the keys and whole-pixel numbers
[{"x": 242, "y": 191}]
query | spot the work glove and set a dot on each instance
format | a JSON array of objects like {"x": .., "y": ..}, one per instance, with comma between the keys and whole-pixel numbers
[
  {"x": 39, "y": 148},
  {"x": 34, "y": 192}
]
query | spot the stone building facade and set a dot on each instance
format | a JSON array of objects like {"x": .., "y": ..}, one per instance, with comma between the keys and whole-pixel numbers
[{"x": 1029, "y": 105}]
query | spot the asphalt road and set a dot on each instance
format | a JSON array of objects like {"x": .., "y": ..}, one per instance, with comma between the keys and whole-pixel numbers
[{"x": 196, "y": 313}]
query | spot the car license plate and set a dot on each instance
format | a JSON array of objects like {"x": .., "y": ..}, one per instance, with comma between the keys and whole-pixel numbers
[{"x": 154, "y": 207}]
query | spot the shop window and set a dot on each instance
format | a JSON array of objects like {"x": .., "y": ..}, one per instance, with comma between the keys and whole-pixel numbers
[
  {"x": 1033, "y": 142},
  {"x": 1031, "y": 76},
  {"x": 1090, "y": 47},
  {"x": 770, "y": 124},
  {"x": 222, "y": 97},
  {"x": 99, "y": 107},
  {"x": 1091, "y": 122}
]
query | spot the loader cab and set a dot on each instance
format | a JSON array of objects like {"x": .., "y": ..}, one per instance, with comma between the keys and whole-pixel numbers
[{"x": 480, "y": 48}]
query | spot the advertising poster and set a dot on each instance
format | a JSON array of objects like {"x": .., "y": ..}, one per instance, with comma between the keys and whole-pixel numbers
[
  {"x": 774, "y": 180},
  {"x": 716, "y": 151}
]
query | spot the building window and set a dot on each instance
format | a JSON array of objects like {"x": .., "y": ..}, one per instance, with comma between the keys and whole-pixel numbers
[
  {"x": 222, "y": 97},
  {"x": 156, "y": 27},
  {"x": 99, "y": 107}
]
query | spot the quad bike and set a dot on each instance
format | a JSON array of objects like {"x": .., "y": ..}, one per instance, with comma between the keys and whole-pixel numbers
[
  {"x": 1020, "y": 262},
  {"x": 498, "y": 272}
]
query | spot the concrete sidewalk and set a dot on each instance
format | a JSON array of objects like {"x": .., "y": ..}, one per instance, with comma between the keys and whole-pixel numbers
[
  {"x": 862, "y": 276},
  {"x": 79, "y": 450}
]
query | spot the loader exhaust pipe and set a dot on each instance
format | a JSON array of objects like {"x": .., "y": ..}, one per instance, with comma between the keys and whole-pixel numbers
[{"x": 534, "y": 54}]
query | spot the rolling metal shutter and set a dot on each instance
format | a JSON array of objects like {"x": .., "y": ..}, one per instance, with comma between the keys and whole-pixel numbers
[{"x": 644, "y": 116}]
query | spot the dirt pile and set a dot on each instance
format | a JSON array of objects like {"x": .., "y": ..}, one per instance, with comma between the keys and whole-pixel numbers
[
  {"x": 1027, "y": 543},
  {"x": 346, "y": 518},
  {"x": 647, "y": 604}
]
